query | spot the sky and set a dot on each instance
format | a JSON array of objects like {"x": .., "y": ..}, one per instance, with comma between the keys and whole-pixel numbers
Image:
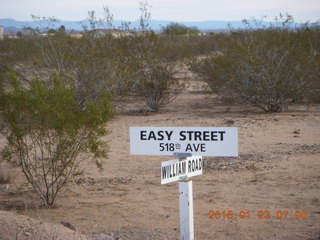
[{"x": 172, "y": 10}]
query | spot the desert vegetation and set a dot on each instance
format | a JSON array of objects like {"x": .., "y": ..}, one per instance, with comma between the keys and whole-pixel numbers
[
  {"x": 50, "y": 85},
  {"x": 58, "y": 94},
  {"x": 180, "y": 29},
  {"x": 265, "y": 67},
  {"x": 47, "y": 130}
]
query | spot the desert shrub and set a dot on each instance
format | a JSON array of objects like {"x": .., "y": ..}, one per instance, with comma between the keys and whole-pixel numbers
[
  {"x": 12, "y": 53},
  {"x": 157, "y": 85},
  {"x": 92, "y": 63},
  {"x": 97, "y": 65},
  {"x": 118, "y": 66},
  {"x": 49, "y": 133},
  {"x": 142, "y": 63},
  {"x": 179, "y": 29},
  {"x": 311, "y": 48},
  {"x": 264, "y": 67},
  {"x": 153, "y": 70}
]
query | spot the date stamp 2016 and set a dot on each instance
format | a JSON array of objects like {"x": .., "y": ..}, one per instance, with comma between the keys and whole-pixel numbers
[{"x": 261, "y": 214}]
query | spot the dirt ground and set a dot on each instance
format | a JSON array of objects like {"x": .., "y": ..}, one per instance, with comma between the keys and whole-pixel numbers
[{"x": 278, "y": 170}]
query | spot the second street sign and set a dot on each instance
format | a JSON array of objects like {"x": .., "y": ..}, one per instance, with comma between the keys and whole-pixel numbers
[
  {"x": 202, "y": 141},
  {"x": 175, "y": 170}
]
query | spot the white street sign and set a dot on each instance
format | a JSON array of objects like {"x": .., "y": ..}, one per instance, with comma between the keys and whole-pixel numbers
[
  {"x": 175, "y": 170},
  {"x": 203, "y": 141}
]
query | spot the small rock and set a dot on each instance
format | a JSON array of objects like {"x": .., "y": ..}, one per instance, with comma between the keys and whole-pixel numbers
[
  {"x": 95, "y": 236},
  {"x": 229, "y": 122},
  {"x": 27, "y": 234},
  {"x": 297, "y": 131},
  {"x": 68, "y": 225},
  {"x": 3, "y": 188}
]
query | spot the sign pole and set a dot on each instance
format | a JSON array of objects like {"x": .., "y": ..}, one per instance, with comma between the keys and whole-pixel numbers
[
  {"x": 186, "y": 205},
  {"x": 186, "y": 210}
]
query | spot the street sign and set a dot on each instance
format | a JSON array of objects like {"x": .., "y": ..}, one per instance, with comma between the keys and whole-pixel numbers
[
  {"x": 201, "y": 141},
  {"x": 175, "y": 170},
  {"x": 189, "y": 144}
]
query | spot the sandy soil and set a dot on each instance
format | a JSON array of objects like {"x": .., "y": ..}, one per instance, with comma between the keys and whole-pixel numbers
[{"x": 278, "y": 169}]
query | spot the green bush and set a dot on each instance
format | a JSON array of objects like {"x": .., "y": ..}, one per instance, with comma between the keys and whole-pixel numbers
[
  {"x": 180, "y": 29},
  {"x": 265, "y": 67},
  {"x": 49, "y": 133}
]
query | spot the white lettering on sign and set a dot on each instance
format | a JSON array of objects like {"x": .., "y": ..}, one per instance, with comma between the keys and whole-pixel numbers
[
  {"x": 174, "y": 170},
  {"x": 204, "y": 141}
]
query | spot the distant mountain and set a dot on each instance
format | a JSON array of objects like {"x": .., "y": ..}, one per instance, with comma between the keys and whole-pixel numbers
[{"x": 156, "y": 25}]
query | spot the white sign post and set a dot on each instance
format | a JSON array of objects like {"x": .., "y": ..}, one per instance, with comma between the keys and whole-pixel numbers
[
  {"x": 180, "y": 170},
  {"x": 184, "y": 142},
  {"x": 186, "y": 210}
]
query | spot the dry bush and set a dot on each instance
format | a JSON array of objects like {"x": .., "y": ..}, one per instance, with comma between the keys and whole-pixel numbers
[{"x": 157, "y": 85}]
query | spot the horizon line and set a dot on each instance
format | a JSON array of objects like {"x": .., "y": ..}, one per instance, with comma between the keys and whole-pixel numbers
[{"x": 162, "y": 20}]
